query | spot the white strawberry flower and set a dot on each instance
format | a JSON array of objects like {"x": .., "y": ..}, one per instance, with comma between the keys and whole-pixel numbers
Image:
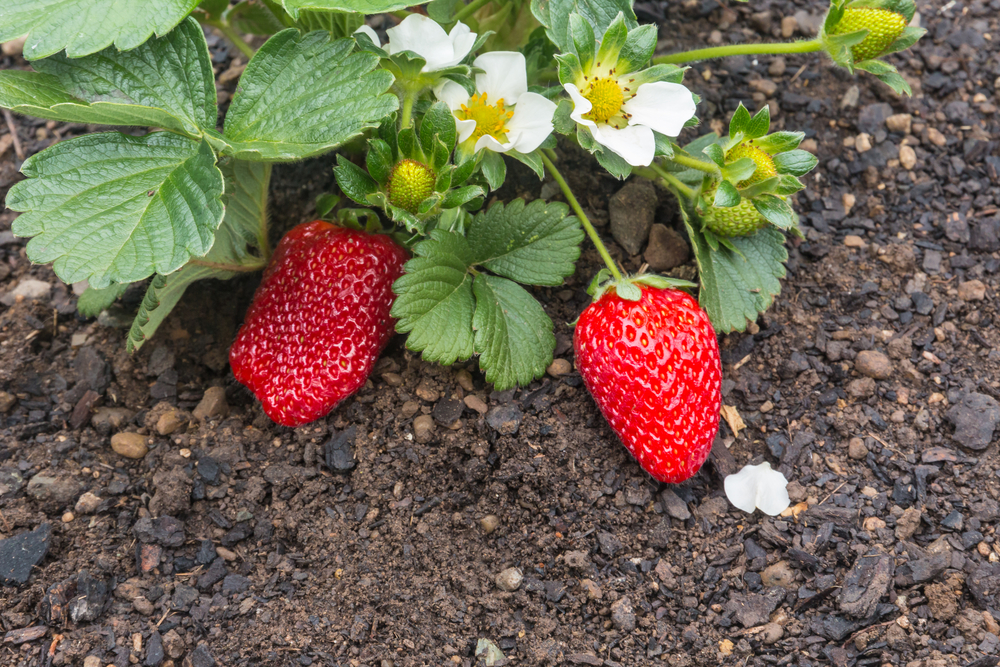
[
  {"x": 428, "y": 40},
  {"x": 758, "y": 487},
  {"x": 502, "y": 115},
  {"x": 622, "y": 116}
]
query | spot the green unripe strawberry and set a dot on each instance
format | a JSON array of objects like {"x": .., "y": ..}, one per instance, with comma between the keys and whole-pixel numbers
[
  {"x": 883, "y": 28},
  {"x": 410, "y": 182},
  {"x": 742, "y": 219}
]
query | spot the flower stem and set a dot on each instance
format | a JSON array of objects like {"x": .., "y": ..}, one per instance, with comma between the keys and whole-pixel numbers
[
  {"x": 233, "y": 36},
  {"x": 695, "y": 163},
  {"x": 470, "y": 9},
  {"x": 584, "y": 220},
  {"x": 801, "y": 46},
  {"x": 408, "y": 98},
  {"x": 655, "y": 171}
]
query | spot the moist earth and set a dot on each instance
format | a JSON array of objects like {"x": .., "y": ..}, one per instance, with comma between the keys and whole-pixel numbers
[{"x": 151, "y": 514}]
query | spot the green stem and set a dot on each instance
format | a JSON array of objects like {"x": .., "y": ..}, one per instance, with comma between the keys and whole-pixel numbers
[
  {"x": 408, "y": 98},
  {"x": 695, "y": 163},
  {"x": 655, "y": 171},
  {"x": 584, "y": 220},
  {"x": 233, "y": 36},
  {"x": 470, "y": 9},
  {"x": 801, "y": 46},
  {"x": 235, "y": 268}
]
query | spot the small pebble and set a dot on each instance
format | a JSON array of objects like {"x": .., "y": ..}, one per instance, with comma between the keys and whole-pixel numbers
[
  {"x": 856, "y": 449},
  {"x": 464, "y": 378},
  {"x": 509, "y": 579},
  {"x": 559, "y": 367},
  {"x": 863, "y": 143},
  {"x": 473, "y": 402},
  {"x": 907, "y": 157},
  {"x": 129, "y": 445},
  {"x": 489, "y": 523},
  {"x": 873, "y": 364},
  {"x": 972, "y": 290},
  {"x": 88, "y": 503},
  {"x": 225, "y": 553},
  {"x": 423, "y": 428},
  {"x": 67, "y": 517}
]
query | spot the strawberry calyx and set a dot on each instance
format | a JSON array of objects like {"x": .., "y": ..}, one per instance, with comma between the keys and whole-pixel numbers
[
  {"x": 410, "y": 182},
  {"x": 629, "y": 287}
]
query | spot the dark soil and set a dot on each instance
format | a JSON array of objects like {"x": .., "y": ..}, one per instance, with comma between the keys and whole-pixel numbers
[{"x": 871, "y": 384}]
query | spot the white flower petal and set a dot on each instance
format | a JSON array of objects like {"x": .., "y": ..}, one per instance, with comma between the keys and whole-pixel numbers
[
  {"x": 424, "y": 37},
  {"x": 462, "y": 41},
  {"x": 371, "y": 35},
  {"x": 633, "y": 143},
  {"x": 488, "y": 142},
  {"x": 531, "y": 123},
  {"x": 504, "y": 76},
  {"x": 581, "y": 105},
  {"x": 758, "y": 487},
  {"x": 465, "y": 129},
  {"x": 451, "y": 93},
  {"x": 662, "y": 106}
]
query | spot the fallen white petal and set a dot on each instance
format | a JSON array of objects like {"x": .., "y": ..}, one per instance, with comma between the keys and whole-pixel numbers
[{"x": 758, "y": 487}]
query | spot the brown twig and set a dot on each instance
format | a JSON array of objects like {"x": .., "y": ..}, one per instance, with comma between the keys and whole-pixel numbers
[{"x": 18, "y": 148}]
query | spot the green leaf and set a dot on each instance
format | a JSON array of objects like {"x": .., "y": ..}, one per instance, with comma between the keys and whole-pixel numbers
[
  {"x": 115, "y": 208},
  {"x": 759, "y": 124},
  {"x": 727, "y": 195},
  {"x": 513, "y": 334},
  {"x": 776, "y": 210},
  {"x": 434, "y": 301},
  {"x": 359, "y": 6},
  {"x": 354, "y": 181},
  {"x": 302, "y": 95},
  {"x": 554, "y": 15},
  {"x": 82, "y": 27},
  {"x": 246, "y": 205},
  {"x": 740, "y": 121},
  {"x": 494, "y": 169},
  {"x": 534, "y": 244},
  {"x": 93, "y": 301},
  {"x": 166, "y": 82},
  {"x": 796, "y": 162},
  {"x": 737, "y": 286},
  {"x": 336, "y": 24},
  {"x": 255, "y": 18}
]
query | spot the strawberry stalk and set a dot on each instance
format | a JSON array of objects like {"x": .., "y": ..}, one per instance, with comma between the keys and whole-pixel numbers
[
  {"x": 801, "y": 46},
  {"x": 547, "y": 155}
]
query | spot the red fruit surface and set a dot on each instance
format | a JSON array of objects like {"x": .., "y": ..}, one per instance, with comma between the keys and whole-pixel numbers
[
  {"x": 318, "y": 321},
  {"x": 653, "y": 367}
]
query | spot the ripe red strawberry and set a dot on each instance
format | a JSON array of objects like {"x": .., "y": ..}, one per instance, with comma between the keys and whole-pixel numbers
[
  {"x": 653, "y": 367},
  {"x": 318, "y": 321}
]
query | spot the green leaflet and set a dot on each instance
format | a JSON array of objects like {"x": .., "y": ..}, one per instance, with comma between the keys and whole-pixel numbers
[
  {"x": 82, "y": 27},
  {"x": 534, "y": 244},
  {"x": 302, "y": 95},
  {"x": 554, "y": 15},
  {"x": 115, "y": 208},
  {"x": 737, "y": 286},
  {"x": 167, "y": 82},
  {"x": 360, "y": 6},
  {"x": 513, "y": 334}
]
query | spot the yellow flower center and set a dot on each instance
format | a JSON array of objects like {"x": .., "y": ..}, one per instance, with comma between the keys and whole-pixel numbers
[
  {"x": 490, "y": 119},
  {"x": 606, "y": 98}
]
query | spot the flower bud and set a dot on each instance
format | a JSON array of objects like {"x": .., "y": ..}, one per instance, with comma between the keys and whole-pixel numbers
[
  {"x": 883, "y": 26},
  {"x": 410, "y": 182}
]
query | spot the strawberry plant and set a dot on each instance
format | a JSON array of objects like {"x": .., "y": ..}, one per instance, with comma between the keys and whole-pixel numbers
[{"x": 425, "y": 117}]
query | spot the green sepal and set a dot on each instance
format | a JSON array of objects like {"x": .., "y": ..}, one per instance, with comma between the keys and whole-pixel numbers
[
  {"x": 716, "y": 154},
  {"x": 561, "y": 119},
  {"x": 613, "y": 163},
  {"x": 795, "y": 162},
  {"x": 463, "y": 170},
  {"x": 759, "y": 124},
  {"x": 354, "y": 181},
  {"x": 584, "y": 40},
  {"x": 788, "y": 185},
  {"x": 726, "y": 195},
  {"x": 662, "y": 282},
  {"x": 767, "y": 186},
  {"x": 662, "y": 72},
  {"x": 460, "y": 196},
  {"x": 532, "y": 160},
  {"x": 740, "y": 121},
  {"x": 494, "y": 169},
  {"x": 443, "y": 181},
  {"x": 740, "y": 170},
  {"x": 779, "y": 142},
  {"x": 612, "y": 43},
  {"x": 776, "y": 211},
  {"x": 408, "y": 146},
  {"x": 598, "y": 280},
  {"x": 910, "y": 36},
  {"x": 637, "y": 50},
  {"x": 570, "y": 69},
  {"x": 325, "y": 203},
  {"x": 379, "y": 161},
  {"x": 439, "y": 155},
  {"x": 438, "y": 121},
  {"x": 628, "y": 291}
]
